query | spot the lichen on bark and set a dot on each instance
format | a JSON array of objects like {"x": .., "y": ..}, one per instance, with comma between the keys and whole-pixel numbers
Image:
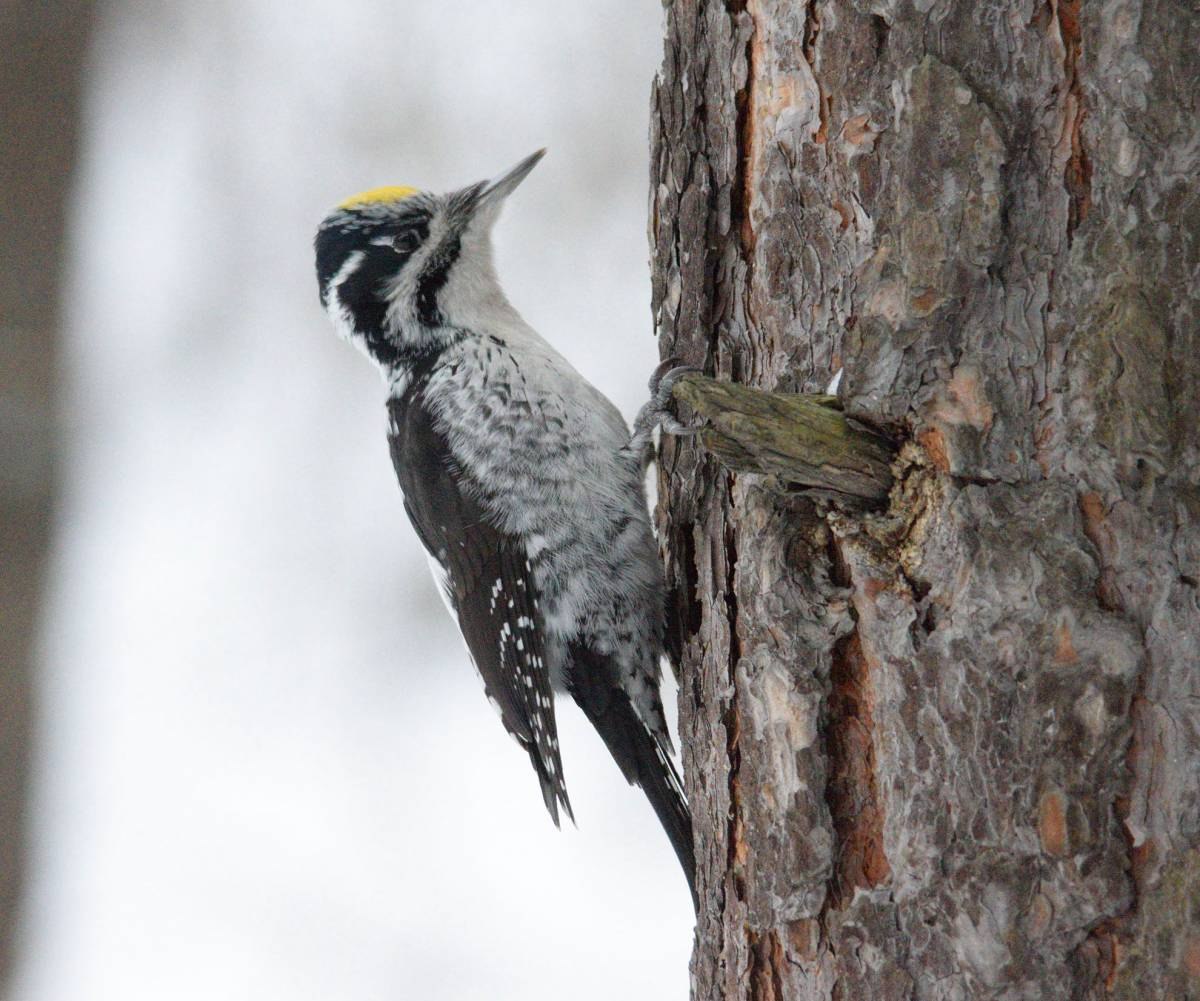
[{"x": 796, "y": 442}]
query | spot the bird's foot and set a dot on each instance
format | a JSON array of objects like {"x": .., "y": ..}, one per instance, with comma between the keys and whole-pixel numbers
[{"x": 659, "y": 411}]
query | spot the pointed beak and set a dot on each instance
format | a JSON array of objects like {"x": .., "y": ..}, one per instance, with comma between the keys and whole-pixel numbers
[{"x": 499, "y": 188}]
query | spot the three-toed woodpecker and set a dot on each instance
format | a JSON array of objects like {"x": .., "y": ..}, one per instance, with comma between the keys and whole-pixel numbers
[{"x": 520, "y": 477}]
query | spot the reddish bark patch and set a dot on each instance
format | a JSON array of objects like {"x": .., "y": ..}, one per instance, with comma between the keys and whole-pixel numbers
[
  {"x": 1042, "y": 441},
  {"x": 851, "y": 792},
  {"x": 1142, "y": 856},
  {"x": 857, "y": 130},
  {"x": 964, "y": 401},
  {"x": 1091, "y": 507},
  {"x": 1052, "y": 823},
  {"x": 822, "y": 133},
  {"x": 926, "y": 302},
  {"x": 874, "y": 586},
  {"x": 1064, "y": 647},
  {"x": 1105, "y": 946},
  {"x": 934, "y": 442}
]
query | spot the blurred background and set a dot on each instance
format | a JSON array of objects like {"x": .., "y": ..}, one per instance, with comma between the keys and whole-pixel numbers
[{"x": 259, "y": 764}]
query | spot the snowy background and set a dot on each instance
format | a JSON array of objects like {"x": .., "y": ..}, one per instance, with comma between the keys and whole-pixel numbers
[{"x": 266, "y": 769}]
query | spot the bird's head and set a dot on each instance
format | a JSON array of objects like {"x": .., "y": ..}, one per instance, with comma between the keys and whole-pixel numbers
[{"x": 399, "y": 268}]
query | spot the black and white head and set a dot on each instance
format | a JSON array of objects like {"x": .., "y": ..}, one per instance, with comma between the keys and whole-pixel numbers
[{"x": 400, "y": 269}]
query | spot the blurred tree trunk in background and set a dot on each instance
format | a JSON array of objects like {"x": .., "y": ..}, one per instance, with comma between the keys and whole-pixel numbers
[
  {"x": 950, "y": 749},
  {"x": 41, "y": 75}
]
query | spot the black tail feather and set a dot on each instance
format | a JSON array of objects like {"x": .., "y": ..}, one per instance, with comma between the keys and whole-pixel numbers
[
  {"x": 641, "y": 758},
  {"x": 554, "y": 790}
]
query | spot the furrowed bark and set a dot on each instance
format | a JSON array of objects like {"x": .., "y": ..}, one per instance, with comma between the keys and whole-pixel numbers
[{"x": 949, "y": 748}]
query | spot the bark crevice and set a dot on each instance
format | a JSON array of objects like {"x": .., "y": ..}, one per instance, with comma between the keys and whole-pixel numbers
[
  {"x": 1077, "y": 177},
  {"x": 743, "y": 184},
  {"x": 733, "y": 722},
  {"x": 809, "y": 35}
]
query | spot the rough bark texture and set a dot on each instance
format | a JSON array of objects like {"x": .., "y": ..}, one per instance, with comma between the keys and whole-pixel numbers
[
  {"x": 40, "y": 89},
  {"x": 949, "y": 750}
]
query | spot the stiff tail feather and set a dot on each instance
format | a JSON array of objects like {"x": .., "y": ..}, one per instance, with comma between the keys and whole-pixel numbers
[{"x": 641, "y": 758}]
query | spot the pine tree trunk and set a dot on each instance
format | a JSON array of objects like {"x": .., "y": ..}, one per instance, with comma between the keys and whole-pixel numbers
[{"x": 947, "y": 747}]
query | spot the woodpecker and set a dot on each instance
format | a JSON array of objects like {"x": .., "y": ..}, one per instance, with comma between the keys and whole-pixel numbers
[{"x": 522, "y": 480}]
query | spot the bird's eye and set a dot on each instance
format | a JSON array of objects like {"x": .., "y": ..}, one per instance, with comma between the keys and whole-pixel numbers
[{"x": 406, "y": 241}]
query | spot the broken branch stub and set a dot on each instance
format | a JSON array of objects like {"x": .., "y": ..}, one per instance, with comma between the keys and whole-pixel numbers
[{"x": 801, "y": 441}]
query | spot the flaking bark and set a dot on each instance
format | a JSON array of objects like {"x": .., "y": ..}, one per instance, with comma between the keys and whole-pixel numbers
[{"x": 947, "y": 749}]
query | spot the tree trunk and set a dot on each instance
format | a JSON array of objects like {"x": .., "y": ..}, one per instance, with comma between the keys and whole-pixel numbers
[
  {"x": 40, "y": 94},
  {"x": 949, "y": 747}
]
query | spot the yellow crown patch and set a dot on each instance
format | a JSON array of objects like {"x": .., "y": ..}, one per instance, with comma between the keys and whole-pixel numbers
[{"x": 376, "y": 196}]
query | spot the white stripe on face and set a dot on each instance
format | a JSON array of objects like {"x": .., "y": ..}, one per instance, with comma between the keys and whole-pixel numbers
[{"x": 339, "y": 315}]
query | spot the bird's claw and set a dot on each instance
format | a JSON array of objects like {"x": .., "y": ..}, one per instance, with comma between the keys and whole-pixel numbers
[
  {"x": 662, "y": 384},
  {"x": 664, "y": 368},
  {"x": 658, "y": 412}
]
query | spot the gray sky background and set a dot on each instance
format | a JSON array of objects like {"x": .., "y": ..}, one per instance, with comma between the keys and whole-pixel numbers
[{"x": 267, "y": 769}]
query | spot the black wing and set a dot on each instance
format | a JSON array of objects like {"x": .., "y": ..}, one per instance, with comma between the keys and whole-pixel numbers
[{"x": 488, "y": 584}]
